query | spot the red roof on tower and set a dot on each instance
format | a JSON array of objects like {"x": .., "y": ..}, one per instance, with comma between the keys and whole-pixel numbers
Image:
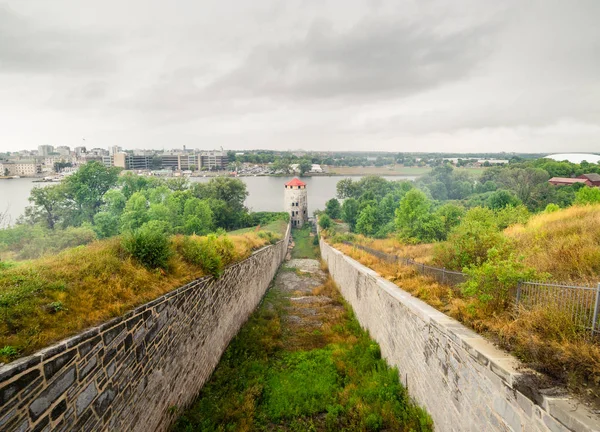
[{"x": 295, "y": 182}]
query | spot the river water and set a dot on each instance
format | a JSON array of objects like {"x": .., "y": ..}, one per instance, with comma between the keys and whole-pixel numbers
[{"x": 265, "y": 193}]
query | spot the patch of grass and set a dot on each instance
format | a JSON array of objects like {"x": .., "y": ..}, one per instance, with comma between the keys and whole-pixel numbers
[
  {"x": 565, "y": 243},
  {"x": 274, "y": 378},
  {"x": 48, "y": 299},
  {"x": 303, "y": 244},
  {"x": 276, "y": 227}
]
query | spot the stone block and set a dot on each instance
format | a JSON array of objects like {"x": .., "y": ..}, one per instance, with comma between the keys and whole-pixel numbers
[
  {"x": 86, "y": 397},
  {"x": 54, "y": 365},
  {"x": 51, "y": 393},
  {"x": 8, "y": 391}
]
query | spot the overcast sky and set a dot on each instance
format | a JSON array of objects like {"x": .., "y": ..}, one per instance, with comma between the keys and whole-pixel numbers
[{"x": 423, "y": 75}]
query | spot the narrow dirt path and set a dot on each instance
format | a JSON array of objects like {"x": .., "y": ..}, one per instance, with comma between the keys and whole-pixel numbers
[{"x": 302, "y": 363}]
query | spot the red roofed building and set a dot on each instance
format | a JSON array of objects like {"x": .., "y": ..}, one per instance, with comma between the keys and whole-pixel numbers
[
  {"x": 593, "y": 178},
  {"x": 295, "y": 202},
  {"x": 566, "y": 181}
]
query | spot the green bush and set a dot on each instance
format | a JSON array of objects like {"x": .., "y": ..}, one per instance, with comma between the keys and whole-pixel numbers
[
  {"x": 324, "y": 221},
  {"x": 151, "y": 248},
  {"x": 551, "y": 208},
  {"x": 587, "y": 195},
  {"x": 212, "y": 253},
  {"x": 492, "y": 281}
]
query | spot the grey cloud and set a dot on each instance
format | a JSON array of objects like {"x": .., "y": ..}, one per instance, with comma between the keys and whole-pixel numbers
[
  {"x": 29, "y": 47},
  {"x": 373, "y": 58}
]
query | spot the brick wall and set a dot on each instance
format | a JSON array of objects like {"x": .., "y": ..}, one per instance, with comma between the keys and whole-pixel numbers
[
  {"x": 135, "y": 372},
  {"x": 463, "y": 381}
]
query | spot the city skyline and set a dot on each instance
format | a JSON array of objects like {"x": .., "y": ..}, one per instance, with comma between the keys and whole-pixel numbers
[{"x": 431, "y": 76}]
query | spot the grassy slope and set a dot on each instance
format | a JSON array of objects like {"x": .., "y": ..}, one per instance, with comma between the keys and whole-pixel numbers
[
  {"x": 45, "y": 300},
  {"x": 278, "y": 227},
  {"x": 303, "y": 244},
  {"x": 332, "y": 379},
  {"x": 565, "y": 243}
]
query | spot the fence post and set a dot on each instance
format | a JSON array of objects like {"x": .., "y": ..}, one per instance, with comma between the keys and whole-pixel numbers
[
  {"x": 518, "y": 293},
  {"x": 595, "y": 319},
  {"x": 444, "y": 276}
]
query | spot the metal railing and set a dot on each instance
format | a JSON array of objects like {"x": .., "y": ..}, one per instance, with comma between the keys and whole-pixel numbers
[
  {"x": 580, "y": 303},
  {"x": 441, "y": 275}
]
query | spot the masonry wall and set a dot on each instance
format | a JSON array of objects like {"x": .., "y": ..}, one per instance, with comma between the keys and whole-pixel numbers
[
  {"x": 463, "y": 381},
  {"x": 135, "y": 372}
]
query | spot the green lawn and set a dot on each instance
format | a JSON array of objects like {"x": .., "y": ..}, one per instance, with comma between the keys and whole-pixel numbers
[{"x": 304, "y": 246}]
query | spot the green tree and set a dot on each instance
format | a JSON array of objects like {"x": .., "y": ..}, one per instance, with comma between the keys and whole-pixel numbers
[
  {"x": 502, "y": 198},
  {"x": 324, "y": 221},
  {"x": 414, "y": 220},
  {"x": 587, "y": 195},
  {"x": 226, "y": 198},
  {"x": 197, "y": 216},
  {"x": 135, "y": 213},
  {"x": 346, "y": 188},
  {"x": 450, "y": 216},
  {"x": 47, "y": 204},
  {"x": 367, "y": 221},
  {"x": 87, "y": 187},
  {"x": 333, "y": 209},
  {"x": 304, "y": 166},
  {"x": 350, "y": 212}
]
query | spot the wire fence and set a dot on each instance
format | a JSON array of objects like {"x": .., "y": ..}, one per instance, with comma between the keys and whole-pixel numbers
[{"x": 580, "y": 303}]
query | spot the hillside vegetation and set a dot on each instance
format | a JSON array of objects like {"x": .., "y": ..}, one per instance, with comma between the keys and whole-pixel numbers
[
  {"x": 44, "y": 300},
  {"x": 564, "y": 243}
]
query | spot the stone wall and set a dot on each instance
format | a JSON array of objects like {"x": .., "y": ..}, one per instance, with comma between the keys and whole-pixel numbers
[
  {"x": 464, "y": 382},
  {"x": 135, "y": 372}
]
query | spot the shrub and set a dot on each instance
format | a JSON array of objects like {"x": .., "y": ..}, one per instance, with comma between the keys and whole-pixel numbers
[
  {"x": 151, "y": 248},
  {"x": 468, "y": 244},
  {"x": 492, "y": 281},
  {"x": 510, "y": 215},
  {"x": 211, "y": 253},
  {"x": 503, "y": 198},
  {"x": 333, "y": 209},
  {"x": 587, "y": 195},
  {"x": 551, "y": 208},
  {"x": 324, "y": 221}
]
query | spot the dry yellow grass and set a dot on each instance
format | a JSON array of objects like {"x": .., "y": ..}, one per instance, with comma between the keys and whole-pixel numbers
[
  {"x": 419, "y": 252},
  {"x": 48, "y": 299},
  {"x": 565, "y": 243}
]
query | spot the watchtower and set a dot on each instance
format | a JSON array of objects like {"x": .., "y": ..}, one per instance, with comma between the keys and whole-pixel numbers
[{"x": 295, "y": 202}]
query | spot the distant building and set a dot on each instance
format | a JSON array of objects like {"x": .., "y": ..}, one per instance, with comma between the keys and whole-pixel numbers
[
  {"x": 567, "y": 181},
  {"x": 79, "y": 151},
  {"x": 213, "y": 160},
  {"x": 593, "y": 178},
  {"x": 316, "y": 168},
  {"x": 20, "y": 168},
  {"x": 63, "y": 150},
  {"x": 296, "y": 202},
  {"x": 180, "y": 162},
  {"x": 115, "y": 149},
  {"x": 45, "y": 150},
  {"x": 128, "y": 161}
]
